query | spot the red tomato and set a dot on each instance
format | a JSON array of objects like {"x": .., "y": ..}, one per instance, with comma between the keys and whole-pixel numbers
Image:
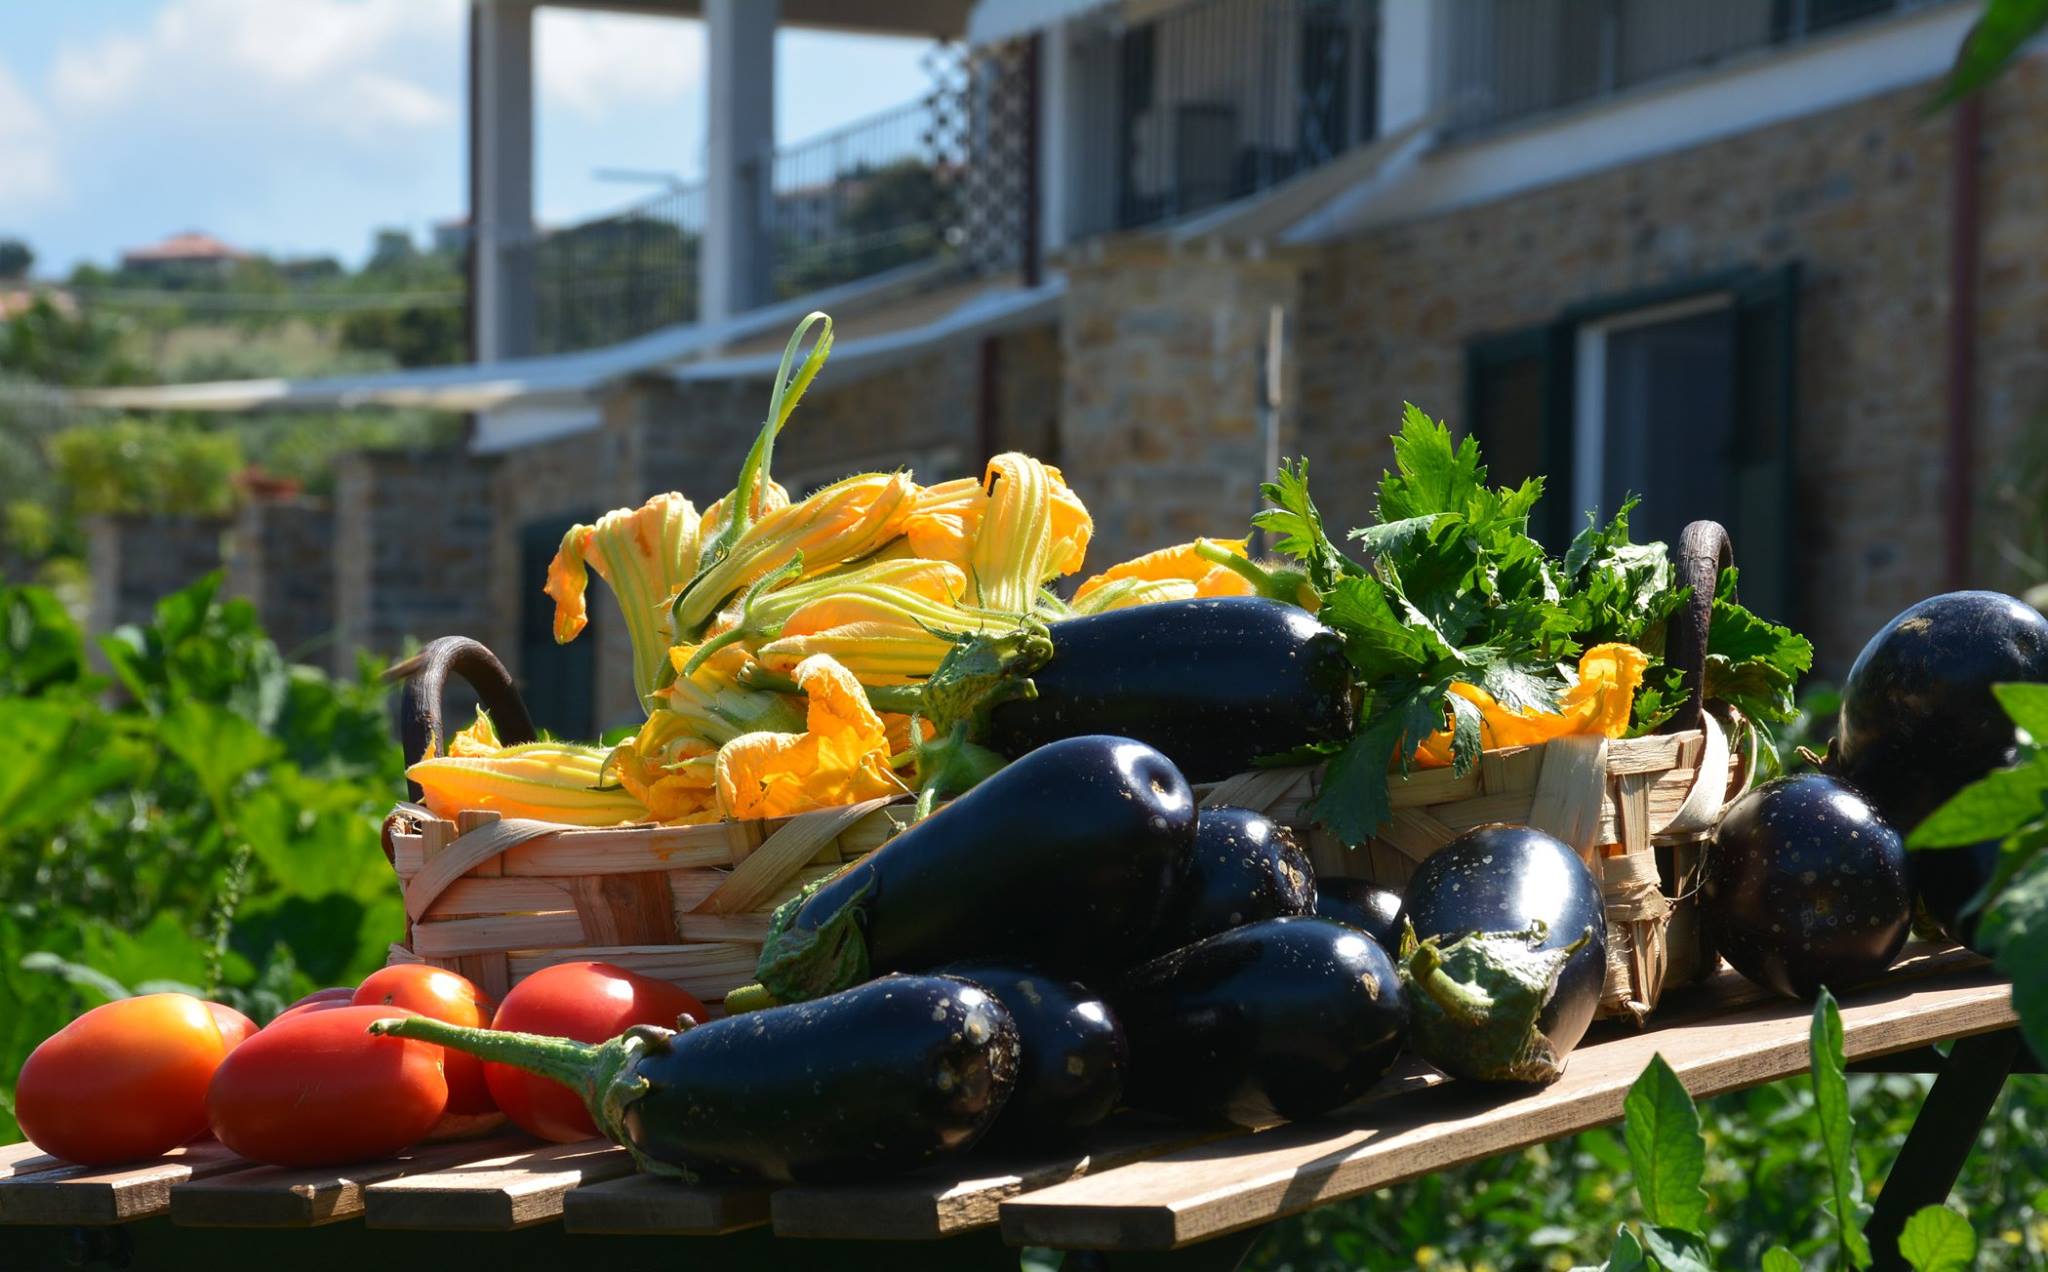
[
  {"x": 235, "y": 1028},
  {"x": 442, "y": 995},
  {"x": 125, "y": 1080},
  {"x": 335, "y": 993},
  {"x": 589, "y": 1002},
  {"x": 308, "y": 1007},
  {"x": 317, "y": 1089}
]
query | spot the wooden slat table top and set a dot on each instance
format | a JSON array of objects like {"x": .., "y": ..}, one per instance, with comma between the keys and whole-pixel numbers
[
  {"x": 510, "y": 1190},
  {"x": 1182, "y": 1197},
  {"x": 303, "y": 1197},
  {"x": 17, "y": 1160},
  {"x": 653, "y": 1204},
  {"x": 94, "y": 1195}
]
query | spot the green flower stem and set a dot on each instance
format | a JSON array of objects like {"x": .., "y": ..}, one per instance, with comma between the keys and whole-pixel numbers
[{"x": 898, "y": 699}]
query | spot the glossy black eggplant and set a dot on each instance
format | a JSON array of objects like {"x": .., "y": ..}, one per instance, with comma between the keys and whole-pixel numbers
[
  {"x": 1071, "y": 1072},
  {"x": 1242, "y": 867},
  {"x": 1063, "y": 860},
  {"x": 1215, "y": 683},
  {"x": 1373, "y": 910},
  {"x": 1508, "y": 879},
  {"x": 1277, "y": 1020},
  {"x": 1918, "y": 719},
  {"x": 1805, "y": 885},
  {"x": 866, "y": 1082}
]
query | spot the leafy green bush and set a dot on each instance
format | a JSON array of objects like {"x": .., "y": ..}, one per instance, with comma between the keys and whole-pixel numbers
[
  {"x": 134, "y": 466},
  {"x": 206, "y": 816}
]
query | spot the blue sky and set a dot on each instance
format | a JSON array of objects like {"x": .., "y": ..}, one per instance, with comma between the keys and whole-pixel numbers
[{"x": 298, "y": 126}]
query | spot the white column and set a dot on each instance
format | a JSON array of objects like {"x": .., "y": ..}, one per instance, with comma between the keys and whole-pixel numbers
[
  {"x": 740, "y": 85},
  {"x": 1058, "y": 115},
  {"x": 1409, "y": 60},
  {"x": 501, "y": 177}
]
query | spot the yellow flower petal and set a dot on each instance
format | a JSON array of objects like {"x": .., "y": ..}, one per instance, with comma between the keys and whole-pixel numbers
[
  {"x": 1600, "y": 702},
  {"x": 841, "y": 758},
  {"x": 1180, "y": 561},
  {"x": 645, "y": 554}
]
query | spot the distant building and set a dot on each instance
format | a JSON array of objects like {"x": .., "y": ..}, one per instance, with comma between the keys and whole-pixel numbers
[{"x": 189, "y": 255}]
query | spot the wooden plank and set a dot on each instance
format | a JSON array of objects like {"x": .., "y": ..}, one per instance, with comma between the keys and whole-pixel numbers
[
  {"x": 17, "y": 1160},
  {"x": 94, "y": 1195},
  {"x": 1182, "y": 1197},
  {"x": 303, "y": 1197},
  {"x": 961, "y": 1197},
  {"x": 1647, "y": 754},
  {"x": 653, "y": 1204},
  {"x": 628, "y": 851},
  {"x": 446, "y": 938},
  {"x": 514, "y": 1190}
]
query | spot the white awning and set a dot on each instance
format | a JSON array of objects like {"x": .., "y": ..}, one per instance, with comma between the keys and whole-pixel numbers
[{"x": 993, "y": 20}]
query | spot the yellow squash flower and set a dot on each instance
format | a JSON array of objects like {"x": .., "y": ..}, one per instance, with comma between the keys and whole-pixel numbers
[
  {"x": 1599, "y": 703},
  {"x": 841, "y": 758},
  {"x": 668, "y": 767},
  {"x": 546, "y": 781},
  {"x": 1125, "y": 593},
  {"x": 645, "y": 554},
  {"x": 945, "y": 524},
  {"x": 713, "y": 705},
  {"x": 1182, "y": 562},
  {"x": 842, "y": 522},
  {"x": 877, "y": 652}
]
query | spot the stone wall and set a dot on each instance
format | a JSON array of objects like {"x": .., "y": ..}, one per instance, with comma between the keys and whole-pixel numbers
[
  {"x": 136, "y": 561},
  {"x": 281, "y": 558},
  {"x": 1859, "y": 195},
  {"x": 414, "y": 536}
]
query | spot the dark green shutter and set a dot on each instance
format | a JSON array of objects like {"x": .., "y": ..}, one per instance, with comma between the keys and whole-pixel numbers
[
  {"x": 1534, "y": 366},
  {"x": 1766, "y": 403}
]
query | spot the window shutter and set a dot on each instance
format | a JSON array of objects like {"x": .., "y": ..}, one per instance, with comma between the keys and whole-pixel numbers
[
  {"x": 1518, "y": 403},
  {"x": 1766, "y": 404}
]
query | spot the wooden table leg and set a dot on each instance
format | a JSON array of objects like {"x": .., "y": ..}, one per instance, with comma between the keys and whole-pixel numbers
[{"x": 1944, "y": 1132}]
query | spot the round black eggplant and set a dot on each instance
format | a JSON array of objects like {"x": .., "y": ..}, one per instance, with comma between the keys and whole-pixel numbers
[
  {"x": 1063, "y": 860},
  {"x": 1071, "y": 1073},
  {"x": 1277, "y": 1020},
  {"x": 1371, "y": 909},
  {"x": 1918, "y": 719},
  {"x": 1805, "y": 885},
  {"x": 1508, "y": 879},
  {"x": 1214, "y": 682},
  {"x": 1242, "y": 867}
]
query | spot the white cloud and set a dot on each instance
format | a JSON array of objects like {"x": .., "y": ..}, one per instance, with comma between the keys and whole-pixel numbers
[
  {"x": 597, "y": 64},
  {"x": 349, "y": 65},
  {"x": 29, "y": 174}
]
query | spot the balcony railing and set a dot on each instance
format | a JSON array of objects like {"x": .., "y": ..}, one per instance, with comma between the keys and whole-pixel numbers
[
  {"x": 1509, "y": 59},
  {"x": 619, "y": 276},
  {"x": 1218, "y": 99}
]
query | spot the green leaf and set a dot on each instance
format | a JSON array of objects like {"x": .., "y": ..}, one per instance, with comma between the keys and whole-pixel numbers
[
  {"x": 1779, "y": 1259},
  {"x": 218, "y": 746},
  {"x": 1378, "y": 643},
  {"x": 1465, "y": 723},
  {"x": 1991, "y": 807},
  {"x": 2027, "y": 704},
  {"x": 1298, "y": 527},
  {"x": 2005, "y": 26},
  {"x": 1662, "y": 1130},
  {"x": 1433, "y": 476},
  {"x": 1831, "y": 1106},
  {"x": 2016, "y": 925},
  {"x": 1675, "y": 1250},
  {"x": 87, "y": 978},
  {"x": 1520, "y": 688},
  {"x": 1937, "y": 1239},
  {"x": 1392, "y": 537},
  {"x": 1627, "y": 1255}
]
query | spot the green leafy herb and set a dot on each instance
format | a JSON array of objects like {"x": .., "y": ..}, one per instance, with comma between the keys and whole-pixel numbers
[{"x": 1454, "y": 590}]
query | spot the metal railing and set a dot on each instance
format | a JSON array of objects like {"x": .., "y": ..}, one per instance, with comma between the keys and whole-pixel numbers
[
  {"x": 1218, "y": 99},
  {"x": 619, "y": 276},
  {"x": 861, "y": 199},
  {"x": 1506, "y": 60}
]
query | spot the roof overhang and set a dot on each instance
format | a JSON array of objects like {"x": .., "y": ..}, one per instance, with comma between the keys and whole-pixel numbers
[{"x": 940, "y": 19}]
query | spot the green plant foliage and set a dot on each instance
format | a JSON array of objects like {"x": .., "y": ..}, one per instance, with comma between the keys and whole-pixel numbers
[
  {"x": 1937, "y": 1239},
  {"x": 1831, "y": 1103},
  {"x": 1662, "y": 1130},
  {"x": 136, "y": 466},
  {"x": 206, "y": 817}
]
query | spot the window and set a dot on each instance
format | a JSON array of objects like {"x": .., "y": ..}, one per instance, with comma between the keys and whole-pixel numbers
[
  {"x": 558, "y": 682},
  {"x": 1683, "y": 398}
]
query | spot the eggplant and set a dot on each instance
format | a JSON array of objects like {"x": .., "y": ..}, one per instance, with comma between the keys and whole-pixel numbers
[
  {"x": 1215, "y": 683},
  {"x": 1242, "y": 867},
  {"x": 1918, "y": 719},
  {"x": 1282, "y": 1019},
  {"x": 1511, "y": 914},
  {"x": 1373, "y": 910},
  {"x": 866, "y": 1082},
  {"x": 1064, "y": 860},
  {"x": 1805, "y": 885},
  {"x": 1073, "y": 1056}
]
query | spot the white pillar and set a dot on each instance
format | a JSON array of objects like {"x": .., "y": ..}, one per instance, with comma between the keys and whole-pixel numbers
[
  {"x": 740, "y": 85},
  {"x": 1409, "y": 60},
  {"x": 1058, "y": 115},
  {"x": 501, "y": 178}
]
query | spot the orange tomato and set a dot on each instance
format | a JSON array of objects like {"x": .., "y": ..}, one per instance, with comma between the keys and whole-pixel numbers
[
  {"x": 589, "y": 1002},
  {"x": 441, "y": 995},
  {"x": 127, "y": 1079},
  {"x": 235, "y": 1028},
  {"x": 317, "y": 1089}
]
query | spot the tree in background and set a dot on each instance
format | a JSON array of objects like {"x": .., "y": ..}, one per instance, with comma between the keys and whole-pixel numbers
[{"x": 16, "y": 258}]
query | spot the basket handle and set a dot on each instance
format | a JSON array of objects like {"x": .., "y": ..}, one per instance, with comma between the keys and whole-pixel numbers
[
  {"x": 1704, "y": 550},
  {"x": 419, "y": 706}
]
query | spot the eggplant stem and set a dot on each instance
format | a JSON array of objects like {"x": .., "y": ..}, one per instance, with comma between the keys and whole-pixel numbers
[
  {"x": 1458, "y": 999},
  {"x": 749, "y": 998},
  {"x": 573, "y": 1064}
]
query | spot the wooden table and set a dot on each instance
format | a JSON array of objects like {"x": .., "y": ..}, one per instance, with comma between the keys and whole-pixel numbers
[{"x": 1141, "y": 1187}]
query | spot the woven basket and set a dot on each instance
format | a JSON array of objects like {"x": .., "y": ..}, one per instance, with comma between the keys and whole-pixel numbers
[{"x": 498, "y": 898}]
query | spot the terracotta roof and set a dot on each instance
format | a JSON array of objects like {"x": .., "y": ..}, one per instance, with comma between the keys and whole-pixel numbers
[{"x": 189, "y": 246}]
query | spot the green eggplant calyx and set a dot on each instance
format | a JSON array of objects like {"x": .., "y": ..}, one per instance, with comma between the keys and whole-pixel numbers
[
  {"x": 950, "y": 766},
  {"x": 1476, "y": 1002},
  {"x": 801, "y": 963},
  {"x": 605, "y": 1075}
]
